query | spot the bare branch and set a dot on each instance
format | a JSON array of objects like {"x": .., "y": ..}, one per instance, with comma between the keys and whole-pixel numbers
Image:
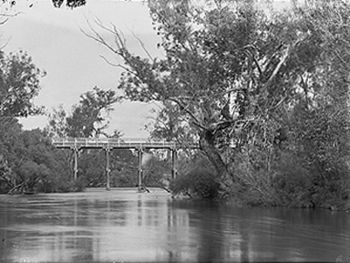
[
  {"x": 98, "y": 38},
  {"x": 118, "y": 65},
  {"x": 143, "y": 46}
]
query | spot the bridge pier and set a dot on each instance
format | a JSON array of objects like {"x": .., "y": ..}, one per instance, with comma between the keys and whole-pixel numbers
[
  {"x": 173, "y": 164},
  {"x": 75, "y": 165},
  {"x": 108, "y": 170},
  {"x": 140, "y": 172}
]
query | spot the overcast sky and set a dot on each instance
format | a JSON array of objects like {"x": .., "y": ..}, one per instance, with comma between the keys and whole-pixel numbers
[{"x": 73, "y": 62}]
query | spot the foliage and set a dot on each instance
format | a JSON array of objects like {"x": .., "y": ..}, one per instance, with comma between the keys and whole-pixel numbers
[
  {"x": 57, "y": 122},
  {"x": 228, "y": 69},
  {"x": 155, "y": 171},
  {"x": 68, "y": 3},
  {"x": 31, "y": 163},
  {"x": 5, "y": 175},
  {"x": 171, "y": 125},
  {"x": 253, "y": 166},
  {"x": 292, "y": 182},
  {"x": 123, "y": 165},
  {"x": 19, "y": 83},
  {"x": 56, "y": 3},
  {"x": 87, "y": 118},
  {"x": 196, "y": 180},
  {"x": 323, "y": 140}
]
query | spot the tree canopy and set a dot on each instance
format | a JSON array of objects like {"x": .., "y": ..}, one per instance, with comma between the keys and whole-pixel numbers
[
  {"x": 228, "y": 68},
  {"x": 19, "y": 84},
  {"x": 234, "y": 73},
  {"x": 56, "y": 3},
  {"x": 88, "y": 118}
]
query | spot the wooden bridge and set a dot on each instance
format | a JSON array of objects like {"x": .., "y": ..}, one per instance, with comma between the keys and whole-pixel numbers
[{"x": 108, "y": 144}]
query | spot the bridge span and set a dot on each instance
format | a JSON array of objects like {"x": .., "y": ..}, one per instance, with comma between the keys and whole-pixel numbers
[{"x": 108, "y": 144}]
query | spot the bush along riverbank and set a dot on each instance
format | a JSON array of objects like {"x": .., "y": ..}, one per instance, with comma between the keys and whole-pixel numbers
[
  {"x": 30, "y": 164},
  {"x": 291, "y": 181}
]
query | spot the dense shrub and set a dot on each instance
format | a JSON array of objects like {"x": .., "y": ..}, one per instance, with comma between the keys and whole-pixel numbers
[
  {"x": 196, "y": 179},
  {"x": 29, "y": 163},
  {"x": 199, "y": 182},
  {"x": 322, "y": 141},
  {"x": 291, "y": 181}
]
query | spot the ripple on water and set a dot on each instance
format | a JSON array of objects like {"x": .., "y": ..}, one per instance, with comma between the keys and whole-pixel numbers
[{"x": 128, "y": 226}]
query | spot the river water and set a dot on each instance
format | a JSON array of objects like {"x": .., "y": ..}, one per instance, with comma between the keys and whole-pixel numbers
[{"x": 123, "y": 225}]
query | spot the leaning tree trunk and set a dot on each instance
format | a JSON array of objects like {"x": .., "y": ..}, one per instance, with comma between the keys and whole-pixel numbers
[{"x": 225, "y": 179}]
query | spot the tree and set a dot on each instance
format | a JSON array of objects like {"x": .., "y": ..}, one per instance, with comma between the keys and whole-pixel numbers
[
  {"x": 87, "y": 118},
  {"x": 58, "y": 122},
  {"x": 69, "y": 3},
  {"x": 228, "y": 69},
  {"x": 322, "y": 120},
  {"x": 30, "y": 162},
  {"x": 87, "y": 115},
  {"x": 56, "y": 3},
  {"x": 19, "y": 84}
]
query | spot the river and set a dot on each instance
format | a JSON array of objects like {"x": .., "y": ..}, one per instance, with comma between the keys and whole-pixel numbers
[{"x": 123, "y": 225}]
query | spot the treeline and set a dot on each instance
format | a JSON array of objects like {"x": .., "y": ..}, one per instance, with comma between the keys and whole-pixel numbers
[{"x": 29, "y": 163}]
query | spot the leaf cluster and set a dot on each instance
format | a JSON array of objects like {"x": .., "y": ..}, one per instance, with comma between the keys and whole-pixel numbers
[
  {"x": 88, "y": 118},
  {"x": 19, "y": 84}
]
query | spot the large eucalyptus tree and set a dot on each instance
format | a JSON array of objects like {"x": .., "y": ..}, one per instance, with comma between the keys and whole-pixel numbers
[{"x": 228, "y": 68}]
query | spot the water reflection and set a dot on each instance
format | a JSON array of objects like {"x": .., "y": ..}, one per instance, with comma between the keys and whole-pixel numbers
[{"x": 122, "y": 225}]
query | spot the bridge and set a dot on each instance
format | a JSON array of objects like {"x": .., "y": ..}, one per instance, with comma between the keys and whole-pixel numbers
[{"x": 109, "y": 144}]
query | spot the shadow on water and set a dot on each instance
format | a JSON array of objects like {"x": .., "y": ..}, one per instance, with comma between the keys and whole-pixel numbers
[{"x": 123, "y": 225}]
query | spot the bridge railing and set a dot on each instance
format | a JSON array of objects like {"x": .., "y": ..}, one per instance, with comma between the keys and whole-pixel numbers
[{"x": 116, "y": 142}]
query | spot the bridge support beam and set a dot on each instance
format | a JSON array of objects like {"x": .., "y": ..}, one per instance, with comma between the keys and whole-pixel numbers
[
  {"x": 75, "y": 164},
  {"x": 173, "y": 164},
  {"x": 108, "y": 170},
  {"x": 140, "y": 172}
]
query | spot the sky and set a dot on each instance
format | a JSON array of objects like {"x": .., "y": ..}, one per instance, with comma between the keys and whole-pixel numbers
[
  {"x": 73, "y": 62},
  {"x": 53, "y": 38}
]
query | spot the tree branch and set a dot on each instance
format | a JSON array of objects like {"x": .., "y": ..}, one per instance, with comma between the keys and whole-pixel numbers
[
  {"x": 277, "y": 68},
  {"x": 183, "y": 107},
  {"x": 280, "y": 63},
  {"x": 143, "y": 46}
]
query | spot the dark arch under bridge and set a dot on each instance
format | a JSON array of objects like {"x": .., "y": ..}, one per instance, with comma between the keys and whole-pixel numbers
[{"x": 108, "y": 144}]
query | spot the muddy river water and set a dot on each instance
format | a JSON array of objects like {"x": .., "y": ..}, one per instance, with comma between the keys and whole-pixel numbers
[{"x": 123, "y": 225}]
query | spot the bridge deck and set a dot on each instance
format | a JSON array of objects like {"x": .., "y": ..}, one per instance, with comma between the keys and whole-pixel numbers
[{"x": 113, "y": 143}]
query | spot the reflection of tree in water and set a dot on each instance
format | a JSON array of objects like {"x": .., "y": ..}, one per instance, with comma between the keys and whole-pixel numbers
[
  {"x": 256, "y": 234},
  {"x": 177, "y": 241},
  {"x": 101, "y": 213},
  {"x": 210, "y": 238},
  {"x": 223, "y": 234}
]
